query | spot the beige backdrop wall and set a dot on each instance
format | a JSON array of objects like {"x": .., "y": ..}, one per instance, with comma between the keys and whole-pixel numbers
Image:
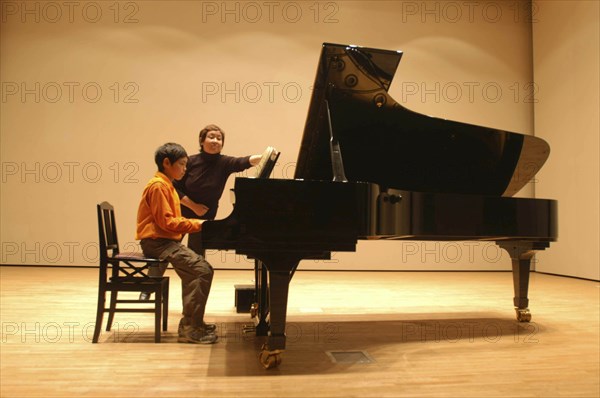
[
  {"x": 566, "y": 68},
  {"x": 90, "y": 89}
]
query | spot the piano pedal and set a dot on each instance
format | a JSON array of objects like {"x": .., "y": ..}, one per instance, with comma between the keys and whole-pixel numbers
[
  {"x": 248, "y": 328},
  {"x": 253, "y": 310}
]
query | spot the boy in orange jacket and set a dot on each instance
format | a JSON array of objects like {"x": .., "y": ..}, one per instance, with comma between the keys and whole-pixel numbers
[{"x": 160, "y": 228}]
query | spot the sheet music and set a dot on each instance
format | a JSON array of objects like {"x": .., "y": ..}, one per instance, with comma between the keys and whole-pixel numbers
[{"x": 267, "y": 162}]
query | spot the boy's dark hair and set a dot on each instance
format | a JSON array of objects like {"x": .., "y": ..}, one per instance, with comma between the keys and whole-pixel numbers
[
  {"x": 204, "y": 132},
  {"x": 171, "y": 151}
]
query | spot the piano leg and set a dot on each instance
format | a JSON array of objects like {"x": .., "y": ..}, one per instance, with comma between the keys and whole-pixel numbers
[
  {"x": 521, "y": 254},
  {"x": 270, "y": 355},
  {"x": 280, "y": 268}
]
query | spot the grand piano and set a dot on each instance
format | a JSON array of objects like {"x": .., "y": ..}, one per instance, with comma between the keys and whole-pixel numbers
[{"x": 368, "y": 168}]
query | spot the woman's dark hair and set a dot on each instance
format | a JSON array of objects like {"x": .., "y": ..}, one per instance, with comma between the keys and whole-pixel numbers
[
  {"x": 204, "y": 132},
  {"x": 171, "y": 151}
]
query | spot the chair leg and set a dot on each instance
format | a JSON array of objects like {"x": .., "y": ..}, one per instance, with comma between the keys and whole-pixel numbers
[
  {"x": 157, "y": 314},
  {"x": 111, "y": 311},
  {"x": 165, "y": 305},
  {"x": 99, "y": 315}
]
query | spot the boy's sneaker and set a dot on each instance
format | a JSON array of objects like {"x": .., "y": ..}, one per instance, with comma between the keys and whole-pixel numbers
[
  {"x": 196, "y": 336},
  {"x": 208, "y": 327}
]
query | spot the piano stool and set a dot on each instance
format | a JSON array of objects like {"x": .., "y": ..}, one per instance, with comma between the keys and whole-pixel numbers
[{"x": 244, "y": 297}]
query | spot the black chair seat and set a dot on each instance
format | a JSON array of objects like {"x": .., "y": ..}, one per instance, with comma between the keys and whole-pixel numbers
[{"x": 134, "y": 256}]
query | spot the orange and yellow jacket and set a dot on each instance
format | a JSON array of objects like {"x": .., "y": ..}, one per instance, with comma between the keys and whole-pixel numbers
[{"x": 159, "y": 212}]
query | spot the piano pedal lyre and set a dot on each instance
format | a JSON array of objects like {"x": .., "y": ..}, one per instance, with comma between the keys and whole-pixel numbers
[{"x": 251, "y": 328}]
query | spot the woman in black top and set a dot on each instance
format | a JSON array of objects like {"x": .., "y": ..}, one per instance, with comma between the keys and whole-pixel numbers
[{"x": 204, "y": 181}]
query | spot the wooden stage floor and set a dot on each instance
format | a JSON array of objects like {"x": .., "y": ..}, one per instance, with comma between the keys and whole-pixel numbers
[{"x": 436, "y": 334}]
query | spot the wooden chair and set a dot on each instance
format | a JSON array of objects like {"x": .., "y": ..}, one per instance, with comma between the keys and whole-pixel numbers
[{"x": 126, "y": 272}]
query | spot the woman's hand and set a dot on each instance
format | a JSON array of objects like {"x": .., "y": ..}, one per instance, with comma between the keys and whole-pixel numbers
[
  {"x": 200, "y": 209},
  {"x": 197, "y": 208}
]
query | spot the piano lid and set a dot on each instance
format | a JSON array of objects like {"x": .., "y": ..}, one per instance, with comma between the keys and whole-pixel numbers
[{"x": 385, "y": 143}]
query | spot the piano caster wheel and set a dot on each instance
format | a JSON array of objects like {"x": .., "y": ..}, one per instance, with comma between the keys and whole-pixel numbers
[
  {"x": 269, "y": 359},
  {"x": 253, "y": 310},
  {"x": 523, "y": 314}
]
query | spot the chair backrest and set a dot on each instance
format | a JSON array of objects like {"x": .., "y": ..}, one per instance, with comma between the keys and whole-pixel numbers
[
  {"x": 122, "y": 267},
  {"x": 107, "y": 230}
]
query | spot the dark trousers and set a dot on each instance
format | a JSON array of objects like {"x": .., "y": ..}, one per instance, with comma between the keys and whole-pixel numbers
[
  {"x": 194, "y": 243},
  {"x": 195, "y": 272}
]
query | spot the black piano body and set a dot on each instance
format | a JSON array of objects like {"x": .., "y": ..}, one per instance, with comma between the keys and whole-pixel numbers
[{"x": 368, "y": 168}]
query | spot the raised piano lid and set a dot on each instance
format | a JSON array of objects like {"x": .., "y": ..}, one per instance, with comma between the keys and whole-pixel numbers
[{"x": 385, "y": 143}]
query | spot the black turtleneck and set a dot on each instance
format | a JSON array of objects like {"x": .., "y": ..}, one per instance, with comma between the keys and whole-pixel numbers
[{"x": 205, "y": 180}]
